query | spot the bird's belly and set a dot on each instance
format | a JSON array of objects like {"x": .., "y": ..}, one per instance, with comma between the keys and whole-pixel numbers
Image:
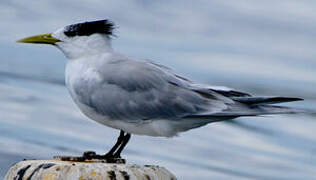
[{"x": 156, "y": 127}]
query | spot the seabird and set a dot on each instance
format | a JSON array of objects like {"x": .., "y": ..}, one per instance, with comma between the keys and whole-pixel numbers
[{"x": 138, "y": 96}]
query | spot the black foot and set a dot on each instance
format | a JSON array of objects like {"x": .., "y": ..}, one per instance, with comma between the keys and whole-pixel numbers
[
  {"x": 113, "y": 156},
  {"x": 92, "y": 156}
]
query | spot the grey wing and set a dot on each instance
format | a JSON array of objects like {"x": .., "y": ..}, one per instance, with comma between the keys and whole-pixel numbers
[
  {"x": 204, "y": 88},
  {"x": 134, "y": 90},
  {"x": 241, "y": 104}
]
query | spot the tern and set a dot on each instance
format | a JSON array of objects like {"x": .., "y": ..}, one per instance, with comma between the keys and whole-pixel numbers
[{"x": 139, "y": 96}]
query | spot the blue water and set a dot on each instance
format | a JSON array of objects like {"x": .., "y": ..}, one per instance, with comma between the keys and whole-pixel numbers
[{"x": 39, "y": 120}]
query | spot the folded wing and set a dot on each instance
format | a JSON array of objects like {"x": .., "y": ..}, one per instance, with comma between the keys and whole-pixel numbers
[{"x": 132, "y": 90}]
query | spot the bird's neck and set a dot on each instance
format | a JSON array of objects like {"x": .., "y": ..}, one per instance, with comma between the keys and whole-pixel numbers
[{"x": 86, "y": 46}]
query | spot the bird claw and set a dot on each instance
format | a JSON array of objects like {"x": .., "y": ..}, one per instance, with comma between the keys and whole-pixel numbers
[{"x": 92, "y": 156}]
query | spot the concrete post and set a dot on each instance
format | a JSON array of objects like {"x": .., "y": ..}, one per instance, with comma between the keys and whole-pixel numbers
[{"x": 85, "y": 170}]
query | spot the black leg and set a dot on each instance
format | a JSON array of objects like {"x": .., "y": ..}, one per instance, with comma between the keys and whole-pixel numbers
[
  {"x": 127, "y": 137},
  {"x": 113, "y": 156},
  {"x": 116, "y": 145}
]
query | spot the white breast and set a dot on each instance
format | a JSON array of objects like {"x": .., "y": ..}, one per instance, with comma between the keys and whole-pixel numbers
[{"x": 78, "y": 73}]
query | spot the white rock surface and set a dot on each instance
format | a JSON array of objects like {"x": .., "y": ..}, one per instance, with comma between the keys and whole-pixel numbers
[{"x": 67, "y": 170}]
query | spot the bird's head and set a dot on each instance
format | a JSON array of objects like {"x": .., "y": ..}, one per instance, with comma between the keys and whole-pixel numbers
[{"x": 79, "y": 39}]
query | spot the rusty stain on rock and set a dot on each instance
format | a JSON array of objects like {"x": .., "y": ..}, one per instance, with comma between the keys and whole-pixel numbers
[
  {"x": 50, "y": 175},
  {"x": 93, "y": 173},
  {"x": 57, "y": 168},
  {"x": 147, "y": 177}
]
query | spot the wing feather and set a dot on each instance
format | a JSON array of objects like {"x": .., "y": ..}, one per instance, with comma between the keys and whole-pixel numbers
[
  {"x": 131, "y": 90},
  {"x": 134, "y": 90}
]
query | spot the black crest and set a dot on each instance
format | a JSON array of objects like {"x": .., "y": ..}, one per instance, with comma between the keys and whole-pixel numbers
[{"x": 88, "y": 28}]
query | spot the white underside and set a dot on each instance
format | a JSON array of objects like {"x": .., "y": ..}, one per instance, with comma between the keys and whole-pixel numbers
[{"x": 149, "y": 127}]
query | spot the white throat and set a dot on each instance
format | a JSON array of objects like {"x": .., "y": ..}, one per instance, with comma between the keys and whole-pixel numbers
[{"x": 81, "y": 46}]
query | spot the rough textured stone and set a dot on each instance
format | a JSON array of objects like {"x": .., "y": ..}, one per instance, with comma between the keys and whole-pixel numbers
[{"x": 68, "y": 170}]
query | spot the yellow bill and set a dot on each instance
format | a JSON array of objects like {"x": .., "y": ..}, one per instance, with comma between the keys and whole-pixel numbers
[{"x": 40, "y": 39}]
